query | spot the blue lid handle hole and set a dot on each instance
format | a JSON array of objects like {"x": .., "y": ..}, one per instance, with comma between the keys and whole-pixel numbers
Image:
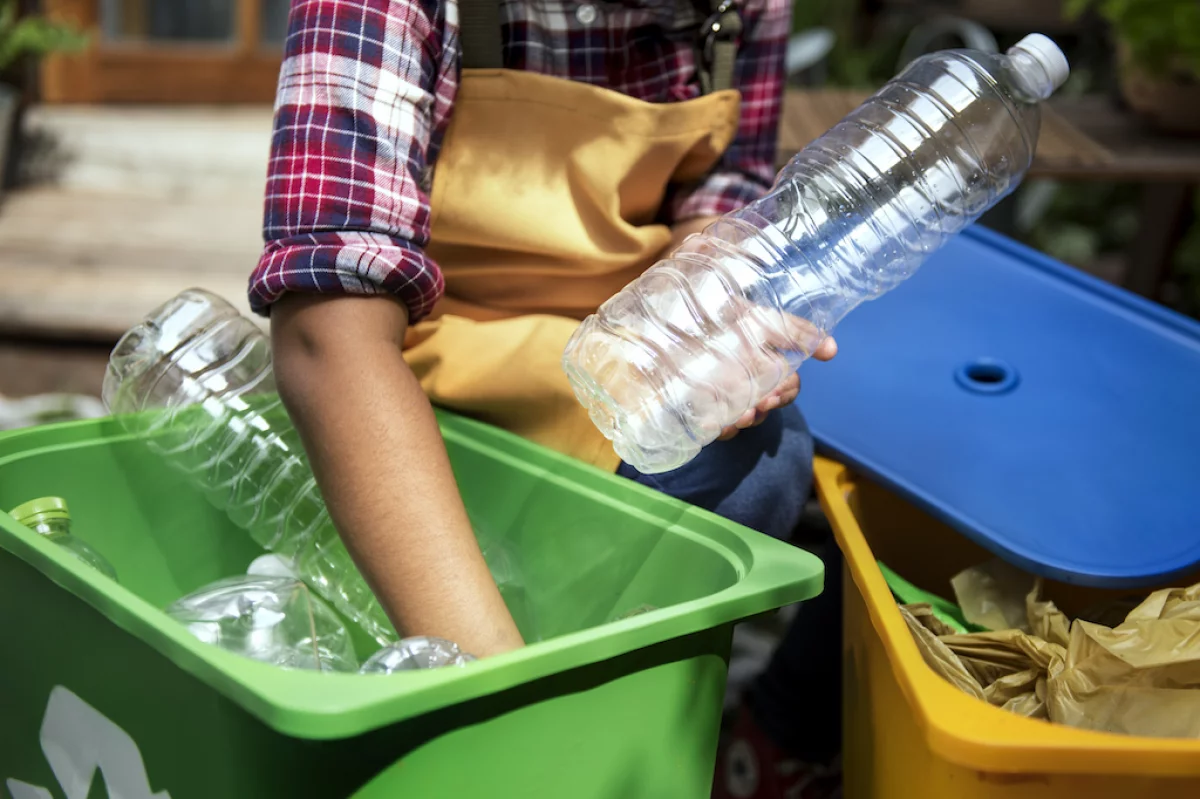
[
  {"x": 987, "y": 373},
  {"x": 986, "y": 376}
]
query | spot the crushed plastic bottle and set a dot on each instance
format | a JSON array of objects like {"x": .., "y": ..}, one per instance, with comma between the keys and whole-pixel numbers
[
  {"x": 271, "y": 565},
  {"x": 701, "y": 337},
  {"x": 418, "y": 652},
  {"x": 195, "y": 379},
  {"x": 50, "y": 518},
  {"x": 276, "y": 620}
]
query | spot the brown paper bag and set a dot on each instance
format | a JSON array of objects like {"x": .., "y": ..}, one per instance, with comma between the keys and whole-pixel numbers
[{"x": 1141, "y": 677}]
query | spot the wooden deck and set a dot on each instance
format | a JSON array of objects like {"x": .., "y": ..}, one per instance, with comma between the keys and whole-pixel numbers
[
  {"x": 86, "y": 266},
  {"x": 136, "y": 205},
  {"x": 132, "y": 205}
]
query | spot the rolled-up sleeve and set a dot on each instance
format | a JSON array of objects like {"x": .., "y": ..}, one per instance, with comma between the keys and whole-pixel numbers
[
  {"x": 746, "y": 171},
  {"x": 362, "y": 92}
]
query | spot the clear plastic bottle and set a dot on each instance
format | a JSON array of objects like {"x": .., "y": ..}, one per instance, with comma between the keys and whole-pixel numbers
[
  {"x": 703, "y": 336},
  {"x": 276, "y": 620},
  {"x": 195, "y": 379},
  {"x": 50, "y": 517},
  {"x": 414, "y": 654}
]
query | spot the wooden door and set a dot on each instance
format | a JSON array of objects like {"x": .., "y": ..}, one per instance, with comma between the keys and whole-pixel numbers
[{"x": 168, "y": 51}]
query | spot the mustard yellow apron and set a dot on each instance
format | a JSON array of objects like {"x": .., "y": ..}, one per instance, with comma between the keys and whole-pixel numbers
[{"x": 543, "y": 206}]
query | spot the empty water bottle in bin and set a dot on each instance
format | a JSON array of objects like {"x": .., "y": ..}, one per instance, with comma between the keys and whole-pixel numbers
[
  {"x": 276, "y": 620},
  {"x": 50, "y": 518},
  {"x": 416, "y": 653},
  {"x": 701, "y": 337},
  {"x": 195, "y": 379}
]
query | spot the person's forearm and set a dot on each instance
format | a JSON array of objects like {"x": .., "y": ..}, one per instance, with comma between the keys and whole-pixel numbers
[{"x": 382, "y": 467}]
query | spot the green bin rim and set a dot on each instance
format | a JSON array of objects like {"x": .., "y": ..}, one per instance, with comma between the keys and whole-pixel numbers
[{"x": 318, "y": 706}]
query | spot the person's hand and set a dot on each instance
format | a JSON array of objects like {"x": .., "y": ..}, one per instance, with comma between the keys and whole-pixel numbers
[
  {"x": 796, "y": 330},
  {"x": 784, "y": 394}
]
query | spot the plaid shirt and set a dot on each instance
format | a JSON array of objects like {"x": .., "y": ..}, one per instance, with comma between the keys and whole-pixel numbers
[{"x": 367, "y": 89}]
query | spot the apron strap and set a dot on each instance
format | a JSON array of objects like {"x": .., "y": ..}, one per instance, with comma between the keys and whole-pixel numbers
[
  {"x": 479, "y": 32},
  {"x": 717, "y": 41}
]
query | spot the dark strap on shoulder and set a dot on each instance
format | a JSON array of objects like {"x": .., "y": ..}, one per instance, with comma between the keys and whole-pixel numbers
[
  {"x": 719, "y": 27},
  {"x": 719, "y": 43},
  {"x": 479, "y": 32}
]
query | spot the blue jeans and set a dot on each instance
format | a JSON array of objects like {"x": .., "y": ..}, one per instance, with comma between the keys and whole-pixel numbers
[{"x": 762, "y": 478}]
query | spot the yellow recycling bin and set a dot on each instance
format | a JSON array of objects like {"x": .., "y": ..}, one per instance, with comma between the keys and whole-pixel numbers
[{"x": 910, "y": 734}]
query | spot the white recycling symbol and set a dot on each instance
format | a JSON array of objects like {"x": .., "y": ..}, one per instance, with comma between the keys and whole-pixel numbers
[{"x": 78, "y": 741}]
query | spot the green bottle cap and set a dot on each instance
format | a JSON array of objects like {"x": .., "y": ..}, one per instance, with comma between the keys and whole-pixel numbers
[{"x": 41, "y": 509}]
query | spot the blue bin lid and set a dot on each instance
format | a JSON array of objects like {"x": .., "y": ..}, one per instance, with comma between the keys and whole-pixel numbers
[{"x": 1052, "y": 418}]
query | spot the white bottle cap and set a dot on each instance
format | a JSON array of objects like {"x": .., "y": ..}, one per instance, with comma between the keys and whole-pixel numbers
[
  {"x": 271, "y": 566},
  {"x": 1046, "y": 52}
]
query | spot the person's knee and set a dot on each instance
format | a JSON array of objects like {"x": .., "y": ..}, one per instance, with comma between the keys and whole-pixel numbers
[
  {"x": 794, "y": 459},
  {"x": 772, "y": 496},
  {"x": 761, "y": 478}
]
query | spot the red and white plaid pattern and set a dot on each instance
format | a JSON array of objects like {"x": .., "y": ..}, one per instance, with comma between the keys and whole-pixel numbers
[{"x": 367, "y": 89}]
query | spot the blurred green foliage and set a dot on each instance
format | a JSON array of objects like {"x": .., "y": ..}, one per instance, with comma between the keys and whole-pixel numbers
[
  {"x": 853, "y": 63},
  {"x": 1163, "y": 36},
  {"x": 32, "y": 36}
]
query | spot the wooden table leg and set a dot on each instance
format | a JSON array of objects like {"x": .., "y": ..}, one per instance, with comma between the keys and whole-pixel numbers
[{"x": 1166, "y": 209}]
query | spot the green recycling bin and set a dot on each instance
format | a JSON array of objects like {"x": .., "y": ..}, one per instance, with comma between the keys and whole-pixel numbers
[{"x": 97, "y": 684}]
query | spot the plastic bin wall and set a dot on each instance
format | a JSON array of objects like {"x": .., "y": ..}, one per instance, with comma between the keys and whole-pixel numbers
[
  {"x": 94, "y": 678},
  {"x": 911, "y": 734}
]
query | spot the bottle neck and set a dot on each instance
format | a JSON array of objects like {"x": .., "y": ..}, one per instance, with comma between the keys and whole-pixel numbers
[
  {"x": 1028, "y": 77},
  {"x": 52, "y": 528}
]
